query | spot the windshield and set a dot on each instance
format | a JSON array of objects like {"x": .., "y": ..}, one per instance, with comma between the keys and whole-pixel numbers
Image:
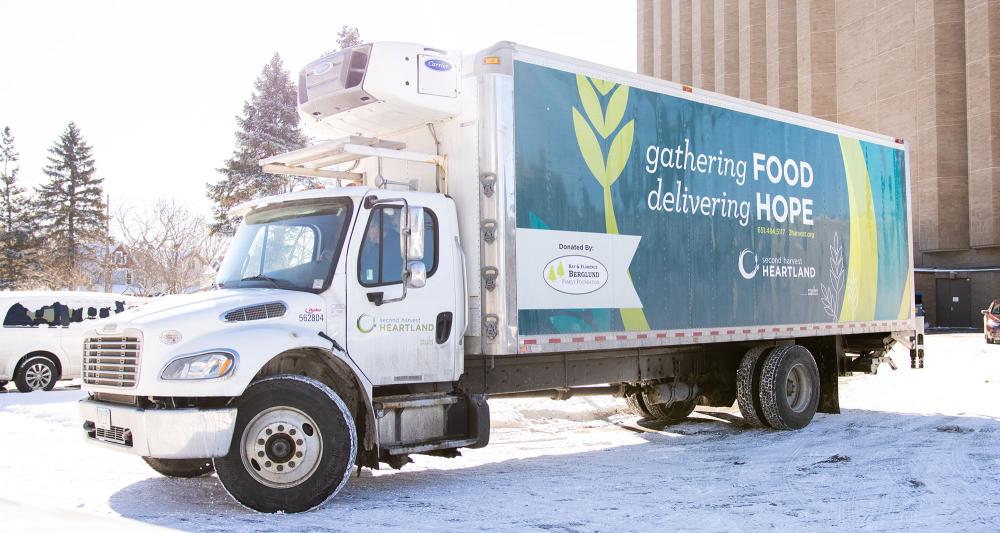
[{"x": 290, "y": 246}]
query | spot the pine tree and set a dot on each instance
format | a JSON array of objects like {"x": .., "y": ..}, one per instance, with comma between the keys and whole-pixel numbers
[
  {"x": 348, "y": 37},
  {"x": 71, "y": 210},
  {"x": 269, "y": 126},
  {"x": 17, "y": 243}
]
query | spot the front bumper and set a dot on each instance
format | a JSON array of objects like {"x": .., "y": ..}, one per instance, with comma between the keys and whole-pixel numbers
[{"x": 159, "y": 433}]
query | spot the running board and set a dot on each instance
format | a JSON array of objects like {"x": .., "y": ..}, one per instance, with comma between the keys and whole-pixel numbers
[{"x": 429, "y": 446}]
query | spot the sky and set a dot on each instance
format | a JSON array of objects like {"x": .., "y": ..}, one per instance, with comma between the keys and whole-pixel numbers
[{"x": 155, "y": 87}]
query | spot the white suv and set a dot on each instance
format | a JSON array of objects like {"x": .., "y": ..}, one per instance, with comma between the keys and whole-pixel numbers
[{"x": 41, "y": 341}]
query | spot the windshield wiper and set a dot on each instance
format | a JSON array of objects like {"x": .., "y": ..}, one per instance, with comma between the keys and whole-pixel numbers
[{"x": 261, "y": 277}]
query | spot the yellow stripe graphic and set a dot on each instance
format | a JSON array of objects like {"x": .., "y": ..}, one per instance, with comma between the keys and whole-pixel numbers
[
  {"x": 862, "y": 270},
  {"x": 906, "y": 304}
]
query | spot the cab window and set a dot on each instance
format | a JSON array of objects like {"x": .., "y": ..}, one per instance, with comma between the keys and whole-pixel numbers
[{"x": 379, "y": 262}]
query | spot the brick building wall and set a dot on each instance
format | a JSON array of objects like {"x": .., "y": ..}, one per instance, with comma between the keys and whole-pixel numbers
[{"x": 927, "y": 71}]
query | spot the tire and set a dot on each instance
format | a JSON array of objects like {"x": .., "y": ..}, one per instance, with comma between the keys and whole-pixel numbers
[
  {"x": 789, "y": 387},
  {"x": 36, "y": 373},
  {"x": 672, "y": 413},
  {"x": 185, "y": 468},
  {"x": 283, "y": 420},
  {"x": 748, "y": 386},
  {"x": 638, "y": 406}
]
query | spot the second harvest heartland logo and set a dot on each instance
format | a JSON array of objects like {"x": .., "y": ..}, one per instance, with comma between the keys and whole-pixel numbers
[
  {"x": 367, "y": 323},
  {"x": 575, "y": 274}
]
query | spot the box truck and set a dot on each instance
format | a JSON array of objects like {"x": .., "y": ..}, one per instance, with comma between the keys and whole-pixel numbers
[{"x": 512, "y": 222}]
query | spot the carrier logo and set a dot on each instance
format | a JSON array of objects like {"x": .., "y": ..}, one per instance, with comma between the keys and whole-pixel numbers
[
  {"x": 438, "y": 64},
  {"x": 322, "y": 68},
  {"x": 575, "y": 274},
  {"x": 748, "y": 274}
]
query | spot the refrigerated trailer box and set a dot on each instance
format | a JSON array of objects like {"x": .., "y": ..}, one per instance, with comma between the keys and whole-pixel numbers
[{"x": 513, "y": 222}]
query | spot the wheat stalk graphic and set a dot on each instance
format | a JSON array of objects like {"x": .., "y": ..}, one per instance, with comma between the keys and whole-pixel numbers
[
  {"x": 831, "y": 293},
  {"x": 590, "y": 136}
]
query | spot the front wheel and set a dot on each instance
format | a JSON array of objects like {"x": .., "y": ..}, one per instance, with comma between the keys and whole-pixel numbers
[
  {"x": 293, "y": 446},
  {"x": 185, "y": 468},
  {"x": 37, "y": 373}
]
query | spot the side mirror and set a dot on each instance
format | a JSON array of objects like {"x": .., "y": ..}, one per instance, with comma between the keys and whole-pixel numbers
[
  {"x": 984, "y": 311},
  {"x": 412, "y": 248},
  {"x": 416, "y": 274}
]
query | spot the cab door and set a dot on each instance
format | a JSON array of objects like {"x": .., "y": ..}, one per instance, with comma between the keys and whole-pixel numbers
[{"x": 413, "y": 340}]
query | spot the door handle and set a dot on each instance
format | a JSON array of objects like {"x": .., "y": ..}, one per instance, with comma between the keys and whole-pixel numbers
[
  {"x": 442, "y": 328},
  {"x": 376, "y": 297}
]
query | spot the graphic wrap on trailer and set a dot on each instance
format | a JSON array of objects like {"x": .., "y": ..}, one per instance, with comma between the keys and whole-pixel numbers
[{"x": 639, "y": 211}]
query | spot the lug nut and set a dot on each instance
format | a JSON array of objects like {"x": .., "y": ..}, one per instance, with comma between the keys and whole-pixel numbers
[
  {"x": 281, "y": 428},
  {"x": 260, "y": 441},
  {"x": 260, "y": 454},
  {"x": 299, "y": 442},
  {"x": 267, "y": 464},
  {"x": 291, "y": 464},
  {"x": 267, "y": 431},
  {"x": 291, "y": 431},
  {"x": 298, "y": 454},
  {"x": 280, "y": 468}
]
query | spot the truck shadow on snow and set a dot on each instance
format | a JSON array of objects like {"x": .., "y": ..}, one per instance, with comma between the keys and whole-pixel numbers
[{"x": 866, "y": 465}]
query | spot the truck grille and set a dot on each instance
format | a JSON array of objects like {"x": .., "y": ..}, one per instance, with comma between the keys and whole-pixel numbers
[
  {"x": 111, "y": 361},
  {"x": 115, "y": 435}
]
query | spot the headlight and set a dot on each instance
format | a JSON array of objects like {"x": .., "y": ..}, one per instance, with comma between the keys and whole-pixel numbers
[
  {"x": 209, "y": 365},
  {"x": 993, "y": 323}
]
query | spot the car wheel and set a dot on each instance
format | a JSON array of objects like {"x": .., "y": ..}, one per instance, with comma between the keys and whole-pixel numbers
[
  {"x": 37, "y": 373},
  {"x": 185, "y": 468},
  {"x": 293, "y": 446},
  {"x": 789, "y": 387}
]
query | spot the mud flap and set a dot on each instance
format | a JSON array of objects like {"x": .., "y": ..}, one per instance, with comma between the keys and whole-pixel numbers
[
  {"x": 828, "y": 352},
  {"x": 479, "y": 419}
]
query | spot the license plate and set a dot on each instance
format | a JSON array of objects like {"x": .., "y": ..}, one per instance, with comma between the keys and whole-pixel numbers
[{"x": 103, "y": 418}]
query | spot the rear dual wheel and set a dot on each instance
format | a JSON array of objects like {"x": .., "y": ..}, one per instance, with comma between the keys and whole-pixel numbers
[{"x": 778, "y": 387}]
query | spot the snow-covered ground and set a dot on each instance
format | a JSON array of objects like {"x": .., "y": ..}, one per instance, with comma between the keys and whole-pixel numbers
[{"x": 913, "y": 449}]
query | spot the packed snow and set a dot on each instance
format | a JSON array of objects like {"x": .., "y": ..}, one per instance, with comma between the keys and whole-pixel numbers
[{"x": 913, "y": 449}]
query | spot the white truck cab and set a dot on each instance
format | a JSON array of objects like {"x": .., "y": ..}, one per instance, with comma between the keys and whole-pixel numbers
[
  {"x": 296, "y": 265},
  {"x": 471, "y": 247}
]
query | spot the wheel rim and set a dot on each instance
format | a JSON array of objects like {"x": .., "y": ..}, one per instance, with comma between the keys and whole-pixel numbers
[
  {"x": 798, "y": 388},
  {"x": 38, "y": 376},
  {"x": 281, "y": 446}
]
